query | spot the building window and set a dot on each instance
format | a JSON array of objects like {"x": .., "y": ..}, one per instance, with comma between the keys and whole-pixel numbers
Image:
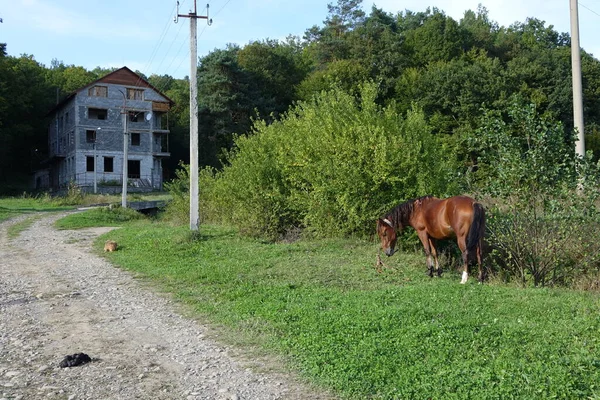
[
  {"x": 97, "y": 113},
  {"x": 135, "y": 94},
  {"x": 90, "y": 136},
  {"x": 98, "y": 91},
  {"x": 108, "y": 164},
  {"x": 89, "y": 162},
  {"x": 135, "y": 139},
  {"x": 133, "y": 169}
]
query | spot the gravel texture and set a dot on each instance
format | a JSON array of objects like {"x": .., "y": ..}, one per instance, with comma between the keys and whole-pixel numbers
[{"x": 57, "y": 299}]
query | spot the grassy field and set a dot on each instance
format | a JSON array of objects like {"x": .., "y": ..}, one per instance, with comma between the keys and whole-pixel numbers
[
  {"x": 14, "y": 206},
  {"x": 392, "y": 335}
]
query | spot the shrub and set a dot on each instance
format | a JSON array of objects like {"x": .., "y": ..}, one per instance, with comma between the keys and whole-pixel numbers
[
  {"x": 74, "y": 196},
  {"x": 331, "y": 165},
  {"x": 178, "y": 209},
  {"x": 543, "y": 224}
]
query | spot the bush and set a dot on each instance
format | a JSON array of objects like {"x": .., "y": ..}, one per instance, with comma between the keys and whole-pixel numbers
[
  {"x": 331, "y": 165},
  {"x": 543, "y": 222},
  {"x": 74, "y": 196},
  {"x": 178, "y": 209}
]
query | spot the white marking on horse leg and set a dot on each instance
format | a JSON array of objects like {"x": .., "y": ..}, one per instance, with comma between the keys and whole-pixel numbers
[{"x": 465, "y": 276}]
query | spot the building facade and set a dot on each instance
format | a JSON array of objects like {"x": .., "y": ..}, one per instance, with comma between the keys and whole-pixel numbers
[{"x": 89, "y": 128}]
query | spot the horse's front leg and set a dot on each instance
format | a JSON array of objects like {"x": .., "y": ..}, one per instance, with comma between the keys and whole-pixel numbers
[
  {"x": 425, "y": 241},
  {"x": 433, "y": 247}
]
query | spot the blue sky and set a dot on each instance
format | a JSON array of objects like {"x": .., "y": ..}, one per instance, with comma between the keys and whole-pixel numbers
[{"x": 141, "y": 34}]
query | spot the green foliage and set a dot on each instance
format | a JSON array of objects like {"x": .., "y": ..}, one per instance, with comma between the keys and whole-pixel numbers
[
  {"x": 26, "y": 204},
  {"x": 452, "y": 93},
  {"x": 439, "y": 38},
  {"x": 544, "y": 220},
  {"x": 331, "y": 165},
  {"x": 177, "y": 210},
  {"x": 25, "y": 99},
  {"x": 276, "y": 69},
  {"x": 364, "y": 335},
  {"x": 344, "y": 74},
  {"x": 74, "y": 196},
  {"x": 100, "y": 216}
]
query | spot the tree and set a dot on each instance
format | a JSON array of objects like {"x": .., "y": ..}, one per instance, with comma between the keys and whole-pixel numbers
[
  {"x": 226, "y": 103},
  {"x": 69, "y": 78},
  {"x": 25, "y": 98},
  {"x": 439, "y": 38},
  {"x": 376, "y": 45},
  {"x": 480, "y": 30},
  {"x": 275, "y": 69},
  {"x": 344, "y": 74},
  {"x": 452, "y": 93},
  {"x": 329, "y": 43}
]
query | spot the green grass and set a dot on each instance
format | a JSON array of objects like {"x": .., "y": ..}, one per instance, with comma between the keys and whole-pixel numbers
[
  {"x": 101, "y": 216},
  {"x": 391, "y": 335},
  {"x": 14, "y": 206},
  {"x": 26, "y": 204}
]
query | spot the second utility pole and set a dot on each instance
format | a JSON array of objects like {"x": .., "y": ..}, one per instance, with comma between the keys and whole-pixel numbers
[
  {"x": 194, "y": 192},
  {"x": 577, "y": 86}
]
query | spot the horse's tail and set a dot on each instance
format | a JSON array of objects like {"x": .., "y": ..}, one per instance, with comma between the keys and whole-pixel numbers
[{"x": 477, "y": 229}]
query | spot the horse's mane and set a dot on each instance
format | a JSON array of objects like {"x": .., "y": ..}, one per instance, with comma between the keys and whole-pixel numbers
[{"x": 400, "y": 215}]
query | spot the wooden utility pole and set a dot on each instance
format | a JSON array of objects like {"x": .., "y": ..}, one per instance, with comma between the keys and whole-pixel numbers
[
  {"x": 577, "y": 87},
  {"x": 194, "y": 192}
]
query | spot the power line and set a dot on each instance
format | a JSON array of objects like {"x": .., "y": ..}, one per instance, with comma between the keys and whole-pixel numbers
[
  {"x": 163, "y": 35},
  {"x": 589, "y": 9},
  {"x": 162, "y": 38},
  {"x": 222, "y": 7}
]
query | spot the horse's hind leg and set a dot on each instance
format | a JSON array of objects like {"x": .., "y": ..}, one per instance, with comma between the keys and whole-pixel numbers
[
  {"x": 462, "y": 245},
  {"x": 481, "y": 276}
]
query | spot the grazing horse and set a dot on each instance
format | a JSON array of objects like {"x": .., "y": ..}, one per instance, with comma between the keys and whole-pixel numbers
[{"x": 459, "y": 217}]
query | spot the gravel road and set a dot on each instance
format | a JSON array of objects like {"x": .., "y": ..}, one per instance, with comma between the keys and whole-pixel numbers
[{"x": 57, "y": 298}]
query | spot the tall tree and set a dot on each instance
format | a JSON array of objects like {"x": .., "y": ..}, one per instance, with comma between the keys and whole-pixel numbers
[
  {"x": 439, "y": 38},
  {"x": 25, "y": 98},
  {"x": 276, "y": 69},
  {"x": 329, "y": 43},
  {"x": 226, "y": 102}
]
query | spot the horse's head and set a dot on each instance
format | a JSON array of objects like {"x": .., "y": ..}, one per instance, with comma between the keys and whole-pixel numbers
[{"x": 387, "y": 234}]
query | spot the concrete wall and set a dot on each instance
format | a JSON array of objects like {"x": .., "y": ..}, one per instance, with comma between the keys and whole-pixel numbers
[{"x": 68, "y": 136}]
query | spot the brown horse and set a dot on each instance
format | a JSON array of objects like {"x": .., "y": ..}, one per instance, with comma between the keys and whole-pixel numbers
[{"x": 459, "y": 217}]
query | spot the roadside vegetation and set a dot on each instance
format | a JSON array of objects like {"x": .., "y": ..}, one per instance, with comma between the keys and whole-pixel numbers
[
  {"x": 275, "y": 279},
  {"x": 31, "y": 203},
  {"x": 321, "y": 305}
]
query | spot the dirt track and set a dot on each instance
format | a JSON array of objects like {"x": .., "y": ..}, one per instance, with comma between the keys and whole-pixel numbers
[{"x": 57, "y": 299}]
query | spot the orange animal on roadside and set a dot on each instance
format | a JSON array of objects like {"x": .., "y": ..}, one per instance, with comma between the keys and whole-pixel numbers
[{"x": 110, "y": 245}]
